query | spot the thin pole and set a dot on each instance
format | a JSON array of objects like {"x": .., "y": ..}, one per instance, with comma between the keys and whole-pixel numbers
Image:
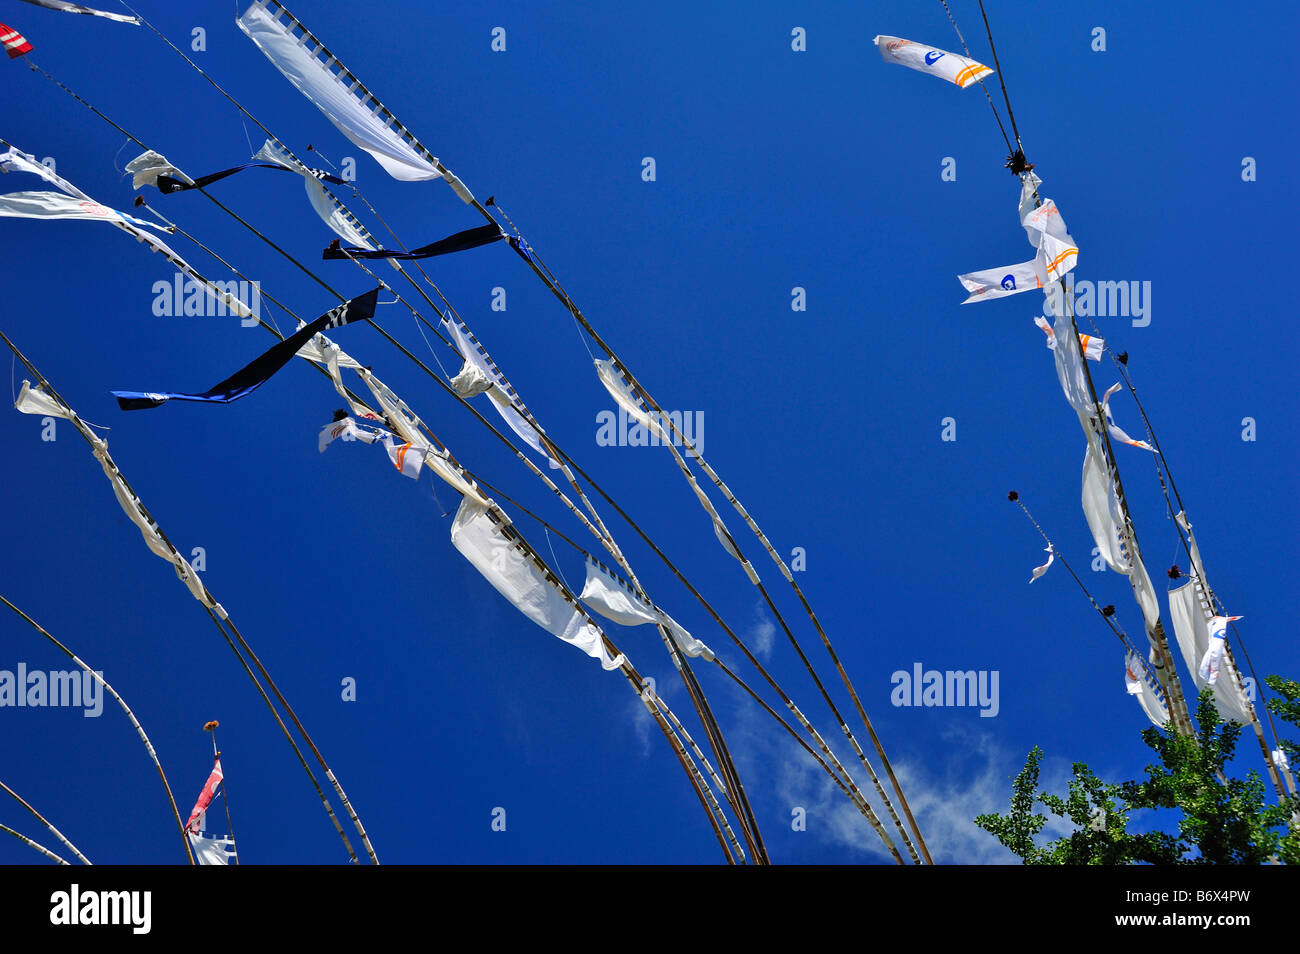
[
  {"x": 225, "y": 796},
  {"x": 39, "y": 847},
  {"x": 153, "y": 755},
  {"x": 44, "y": 821}
]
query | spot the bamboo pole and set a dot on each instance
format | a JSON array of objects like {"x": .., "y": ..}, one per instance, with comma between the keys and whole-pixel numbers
[{"x": 144, "y": 738}]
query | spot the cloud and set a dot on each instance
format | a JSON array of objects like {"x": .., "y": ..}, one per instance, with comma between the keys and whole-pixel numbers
[{"x": 944, "y": 801}]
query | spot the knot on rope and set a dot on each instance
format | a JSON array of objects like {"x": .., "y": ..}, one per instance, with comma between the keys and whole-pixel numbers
[
  {"x": 1122, "y": 358},
  {"x": 1108, "y": 610},
  {"x": 1018, "y": 164},
  {"x": 1013, "y": 496}
]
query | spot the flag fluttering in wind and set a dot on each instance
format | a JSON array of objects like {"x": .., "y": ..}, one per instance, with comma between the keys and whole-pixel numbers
[
  {"x": 482, "y": 540},
  {"x": 1091, "y": 346},
  {"x": 927, "y": 59},
  {"x": 339, "y": 95},
  {"x": 208, "y": 849},
  {"x": 75, "y": 204},
  {"x": 611, "y": 598},
  {"x": 1040, "y": 570},
  {"x": 15, "y": 44},
  {"x": 1209, "y": 668},
  {"x": 460, "y": 242},
  {"x": 1140, "y": 686},
  {"x": 257, "y": 372},
  {"x": 66, "y": 7},
  {"x": 1000, "y": 282},
  {"x": 1115, "y": 431},
  {"x": 1193, "y": 622},
  {"x": 206, "y": 795}
]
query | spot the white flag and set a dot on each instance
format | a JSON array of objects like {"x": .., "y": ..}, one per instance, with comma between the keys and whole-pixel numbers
[
  {"x": 1115, "y": 431},
  {"x": 1040, "y": 570},
  {"x": 1209, "y": 668},
  {"x": 927, "y": 59},
  {"x": 407, "y": 458},
  {"x": 339, "y": 96},
  {"x": 1091, "y": 345},
  {"x": 528, "y": 587},
  {"x": 1000, "y": 282},
  {"x": 346, "y": 429}
]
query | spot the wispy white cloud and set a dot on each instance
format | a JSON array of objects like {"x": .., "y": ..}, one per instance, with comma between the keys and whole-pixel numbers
[{"x": 945, "y": 797}]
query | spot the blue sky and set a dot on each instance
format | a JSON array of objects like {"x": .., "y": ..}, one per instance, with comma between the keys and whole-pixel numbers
[{"x": 775, "y": 169}]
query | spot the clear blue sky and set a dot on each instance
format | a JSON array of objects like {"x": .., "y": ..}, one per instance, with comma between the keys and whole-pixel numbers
[{"x": 775, "y": 169}]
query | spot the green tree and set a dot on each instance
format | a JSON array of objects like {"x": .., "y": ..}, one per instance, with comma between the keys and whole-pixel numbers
[{"x": 1221, "y": 820}]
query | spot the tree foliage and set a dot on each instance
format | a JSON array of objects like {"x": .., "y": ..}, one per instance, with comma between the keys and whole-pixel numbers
[{"x": 1220, "y": 820}]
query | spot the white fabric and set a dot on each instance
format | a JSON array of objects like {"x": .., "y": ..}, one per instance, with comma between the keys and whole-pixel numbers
[
  {"x": 1001, "y": 282},
  {"x": 1091, "y": 345},
  {"x": 518, "y": 578},
  {"x": 608, "y": 597},
  {"x": 927, "y": 59},
  {"x": 331, "y": 95},
  {"x": 407, "y": 425},
  {"x": 1040, "y": 570},
  {"x": 1189, "y": 611},
  {"x": 1280, "y": 760},
  {"x": 1101, "y": 508},
  {"x": 55, "y": 205},
  {"x": 603, "y": 593},
  {"x": 1146, "y": 596},
  {"x": 16, "y": 161},
  {"x": 626, "y": 398},
  {"x": 1029, "y": 184},
  {"x": 1210, "y": 662},
  {"x": 331, "y": 211},
  {"x": 316, "y": 350},
  {"x": 346, "y": 429},
  {"x": 471, "y": 381},
  {"x": 36, "y": 401},
  {"x": 496, "y": 392},
  {"x": 1137, "y": 684},
  {"x": 211, "y": 851},
  {"x": 407, "y": 458},
  {"x": 66, "y": 7},
  {"x": 1057, "y": 253},
  {"x": 1070, "y": 369},
  {"x": 1115, "y": 430},
  {"x": 33, "y": 400},
  {"x": 148, "y": 166}
]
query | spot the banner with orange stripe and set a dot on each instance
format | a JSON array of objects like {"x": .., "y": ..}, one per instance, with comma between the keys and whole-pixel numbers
[{"x": 927, "y": 59}]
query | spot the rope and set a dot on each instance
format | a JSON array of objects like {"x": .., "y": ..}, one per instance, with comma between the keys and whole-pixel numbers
[
  {"x": 1001, "y": 80},
  {"x": 966, "y": 50}
]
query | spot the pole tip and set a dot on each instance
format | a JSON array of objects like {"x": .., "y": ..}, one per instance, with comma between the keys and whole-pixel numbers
[
  {"x": 209, "y": 726},
  {"x": 1013, "y": 496},
  {"x": 1108, "y": 611}
]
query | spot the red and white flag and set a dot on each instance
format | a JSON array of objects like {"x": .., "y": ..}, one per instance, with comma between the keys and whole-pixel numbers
[
  {"x": 205, "y": 798},
  {"x": 15, "y": 44}
]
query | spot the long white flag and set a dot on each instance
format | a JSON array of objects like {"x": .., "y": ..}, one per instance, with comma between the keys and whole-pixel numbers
[
  {"x": 928, "y": 59},
  {"x": 345, "y": 103}
]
